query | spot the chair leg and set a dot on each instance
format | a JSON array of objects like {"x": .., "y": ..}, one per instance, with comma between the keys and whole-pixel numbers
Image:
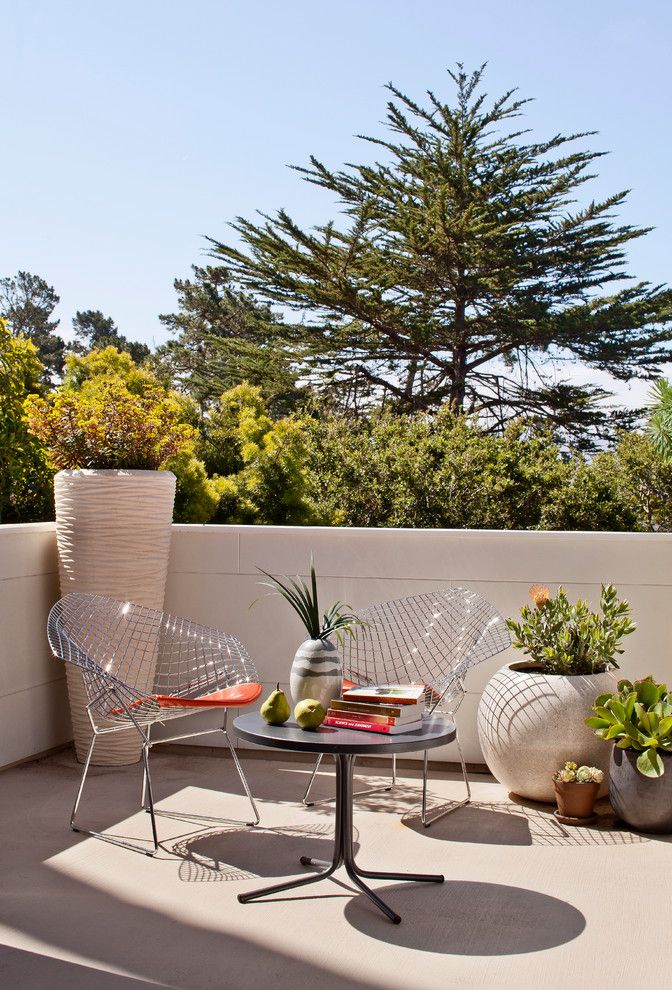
[
  {"x": 242, "y": 776},
  {"x": 365, "y": 790},
  {"x": 111, "y": 838},
  {"x": 309, "y": 804},
  {"x": 426, "y": 821}
]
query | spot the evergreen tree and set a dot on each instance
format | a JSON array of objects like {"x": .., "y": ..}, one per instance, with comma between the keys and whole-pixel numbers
[
  {"x": 94, "y": 331},
  {"x": 27, "y": 303},
  {"x": 223, "y": 338},
  {"x": 461, "y": 272}
]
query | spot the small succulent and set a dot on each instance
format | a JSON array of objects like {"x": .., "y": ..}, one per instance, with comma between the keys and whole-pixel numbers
[
  {"x": 572, "y": 774},
  {"x": 638, "y": 716},
  {"x": 571, "y": 639}
]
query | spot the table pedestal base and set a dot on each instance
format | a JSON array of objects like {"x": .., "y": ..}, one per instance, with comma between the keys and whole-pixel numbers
[{"x": 343, "y": 852}]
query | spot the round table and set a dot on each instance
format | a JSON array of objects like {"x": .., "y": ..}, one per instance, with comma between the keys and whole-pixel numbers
[{"x": 344, "y": 745}]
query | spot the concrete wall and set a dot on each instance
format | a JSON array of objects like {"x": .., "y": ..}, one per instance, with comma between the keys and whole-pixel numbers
[
  {"x": 34, "y": 712},
  {"x": 213, "y": 579}
]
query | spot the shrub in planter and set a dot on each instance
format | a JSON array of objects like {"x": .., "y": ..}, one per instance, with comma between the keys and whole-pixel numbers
[
  {"x": 637, "y": 719},
  {"x": 576, "y": 790},
  {"x": 108, "y": 429},
  {"x": 531, "y": 715}
]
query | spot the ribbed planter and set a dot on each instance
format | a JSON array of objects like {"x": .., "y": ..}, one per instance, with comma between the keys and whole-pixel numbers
[
  {"x": 644, "y": 803},
  {"x": 113, "y": 533},
  {"x": 530, "y": 724},
  {"x": 316, "y": 673}
]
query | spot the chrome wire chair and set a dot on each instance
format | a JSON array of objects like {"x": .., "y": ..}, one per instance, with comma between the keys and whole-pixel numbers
[
  {"x": 431, "y": 639},
  {"x": 140, "y": 667}
]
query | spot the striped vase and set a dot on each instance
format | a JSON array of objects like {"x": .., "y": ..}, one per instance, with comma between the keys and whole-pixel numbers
[{"x": 317, "y": 672}]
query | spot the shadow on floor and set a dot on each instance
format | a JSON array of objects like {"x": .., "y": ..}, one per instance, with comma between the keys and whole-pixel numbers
[
  {"x": 224, "y": 855},
  {"x": 468, "y": 918},
  {"x": 520, "y": 825}
]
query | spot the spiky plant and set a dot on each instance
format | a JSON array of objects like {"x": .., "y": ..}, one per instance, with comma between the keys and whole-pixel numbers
[{"x": 303, "y": 599}]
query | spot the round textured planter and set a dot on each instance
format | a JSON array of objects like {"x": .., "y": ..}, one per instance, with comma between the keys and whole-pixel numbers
[
  {"x": 113, "y": 534},
  {"x": 644, "y": 803},
  {"x": 316, "y": 673},
  {"x": 575, "y": 800},
  {"x": 530, "y": 724}
]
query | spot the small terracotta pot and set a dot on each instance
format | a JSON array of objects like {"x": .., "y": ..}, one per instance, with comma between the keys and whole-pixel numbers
[{"x": 575, "y": 800}]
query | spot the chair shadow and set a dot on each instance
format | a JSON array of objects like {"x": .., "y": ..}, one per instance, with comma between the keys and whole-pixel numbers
[
  {"x": 469, "y": 918},
  {"x": 223, "y": 855},
  {"x": 521, "y": 824}
]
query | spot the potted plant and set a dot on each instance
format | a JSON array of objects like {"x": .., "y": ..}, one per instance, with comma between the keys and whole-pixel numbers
[
  {"x": 576, "y": 790},
  {"x": 531, "y": 717},
  {"x": 317, "y": 671},
  {"x": 108, "y": 428},
  {"x": 637, "y": 720}
]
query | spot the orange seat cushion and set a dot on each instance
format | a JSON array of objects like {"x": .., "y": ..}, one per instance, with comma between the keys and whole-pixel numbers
[
  {"x": 348, "y": 684},
  {"x": 231, "y": 697}
]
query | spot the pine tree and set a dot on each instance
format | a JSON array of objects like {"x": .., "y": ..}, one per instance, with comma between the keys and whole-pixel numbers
[
  {"x": 95, "y": 331},
  {"x": 27, "y": 303},
  {"x": 223, "y": 338},
  {"x": 461, "y": 272}
]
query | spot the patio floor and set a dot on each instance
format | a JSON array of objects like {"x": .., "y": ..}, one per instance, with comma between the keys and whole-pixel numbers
[{"x": 525, "y": 901}]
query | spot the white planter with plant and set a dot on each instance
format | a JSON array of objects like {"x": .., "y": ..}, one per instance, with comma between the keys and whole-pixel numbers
[
  {"x": 317, "y": 670},
  {"x": 113, "y": 507},
  {"x": 531, "y": 718},
  {"x": 637, "y": 720}
]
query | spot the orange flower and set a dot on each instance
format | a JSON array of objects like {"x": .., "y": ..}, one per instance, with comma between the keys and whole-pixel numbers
[{"x": 540, "y": 594}]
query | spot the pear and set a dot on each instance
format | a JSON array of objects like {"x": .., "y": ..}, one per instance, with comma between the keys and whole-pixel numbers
[
  {"x": 309, "y": 714},
  {"x": 276, "y": 708}
]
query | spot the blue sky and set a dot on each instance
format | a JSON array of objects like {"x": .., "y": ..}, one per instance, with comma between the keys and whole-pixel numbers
[{"x": 132, "y": 129}]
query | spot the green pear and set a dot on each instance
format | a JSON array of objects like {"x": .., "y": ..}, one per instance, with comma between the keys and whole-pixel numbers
[
  {"x": 276, "y": 708},
  {"x": 309, "y": 714}
]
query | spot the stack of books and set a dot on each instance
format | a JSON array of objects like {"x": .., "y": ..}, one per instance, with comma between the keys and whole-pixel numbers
[{"x": 389, "y": 709}]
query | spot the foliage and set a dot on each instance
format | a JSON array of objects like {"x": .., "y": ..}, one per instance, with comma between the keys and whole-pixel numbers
[
  {"x": 102, "y": 421},
  {"x": 461, "y": 270},
  {"x": 25, "y": 476},
  {"x": 258, "y": 465},
  {"x": 639, "y": 717},
  {"x": 27, "y": 303},
  {"x": 567, "y": 639},
  {"x": 196, "y": 495},
  {"x": 95, "y": 331},
  {"x": 573, "y": 774},
  {"x": 643, "y": 479},
  {"x": 304, "y": 601},
  {"x": 222, "y": 339}
]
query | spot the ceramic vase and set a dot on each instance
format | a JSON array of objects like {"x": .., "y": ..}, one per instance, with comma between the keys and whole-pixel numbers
[{"x": 317, "y": 672}]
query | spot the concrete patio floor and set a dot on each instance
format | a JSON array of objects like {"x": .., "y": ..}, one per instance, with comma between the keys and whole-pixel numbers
[{"x": 525, "y": 902}]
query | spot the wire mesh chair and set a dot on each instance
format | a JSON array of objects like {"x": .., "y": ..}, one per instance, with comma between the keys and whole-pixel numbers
[
  {"x": 141, "y": 666},
  {"x": 431, "y": 639}
]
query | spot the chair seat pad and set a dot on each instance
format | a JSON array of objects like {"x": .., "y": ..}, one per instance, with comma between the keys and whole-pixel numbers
[{"x": 232, "y": 697}]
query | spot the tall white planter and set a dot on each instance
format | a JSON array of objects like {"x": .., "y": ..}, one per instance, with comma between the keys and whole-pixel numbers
[
  {"x": 113, "y": 531},
  {"x": 530, "y": 724}
]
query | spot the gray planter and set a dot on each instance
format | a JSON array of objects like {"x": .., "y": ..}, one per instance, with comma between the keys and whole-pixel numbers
[{"x": 644, "y": 803}]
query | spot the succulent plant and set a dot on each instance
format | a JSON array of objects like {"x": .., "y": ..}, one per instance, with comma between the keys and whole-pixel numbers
[
  {"x": 572, "y": 774},
  {"x": 571, "y": 639},
  {"x": 638, "y": 716}
]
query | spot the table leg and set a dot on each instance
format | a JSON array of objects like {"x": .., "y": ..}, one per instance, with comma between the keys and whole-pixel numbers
[{"x": 343, "y": 852}]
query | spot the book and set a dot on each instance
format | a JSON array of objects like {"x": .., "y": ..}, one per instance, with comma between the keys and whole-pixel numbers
[
  {"x": 352, "y": 723},
  {"x": 398, "y": 694},
  {"x": 404, "y": 713},
  {"x": 373, "y": 719}
]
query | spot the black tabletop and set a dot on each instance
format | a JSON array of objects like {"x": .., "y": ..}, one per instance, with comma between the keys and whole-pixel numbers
[{"x": 327, "y": 739}]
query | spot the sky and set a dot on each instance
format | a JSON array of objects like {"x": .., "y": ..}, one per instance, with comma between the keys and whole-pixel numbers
[{"x": 133, "y": 129}]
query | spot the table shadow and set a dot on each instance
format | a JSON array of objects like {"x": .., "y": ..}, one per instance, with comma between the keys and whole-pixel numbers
[{"x": 468, "y": 918}]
